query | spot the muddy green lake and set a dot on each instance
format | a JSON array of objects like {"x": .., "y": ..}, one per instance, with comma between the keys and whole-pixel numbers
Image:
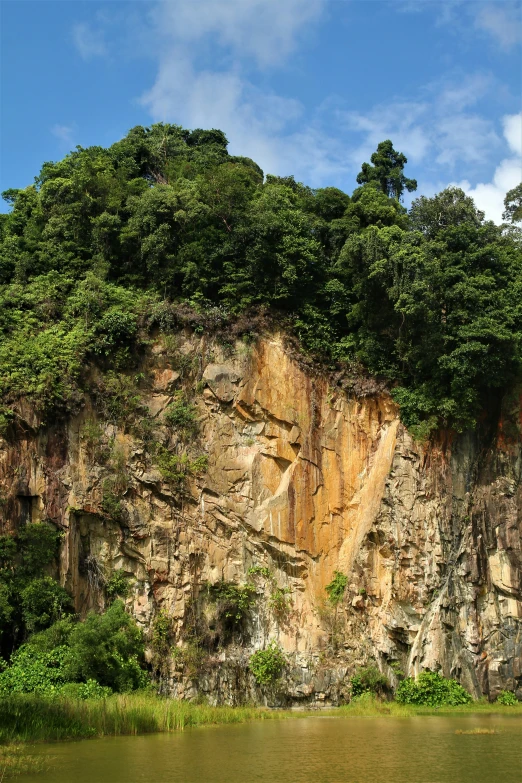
[{"x": 303, "y": 750}]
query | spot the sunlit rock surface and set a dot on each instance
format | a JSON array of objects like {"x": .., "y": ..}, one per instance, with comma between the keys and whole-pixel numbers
[{"x": 302, "y": 480}]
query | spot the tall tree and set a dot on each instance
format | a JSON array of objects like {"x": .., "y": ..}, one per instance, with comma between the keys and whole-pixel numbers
[{"x": 387, "y": 171}]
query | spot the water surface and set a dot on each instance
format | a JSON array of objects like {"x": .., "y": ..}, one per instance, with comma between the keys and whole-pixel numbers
[{"x": 301, "y": 750}]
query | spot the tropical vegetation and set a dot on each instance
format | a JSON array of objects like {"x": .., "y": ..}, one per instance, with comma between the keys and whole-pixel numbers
[{"x": 106, "y": 242}]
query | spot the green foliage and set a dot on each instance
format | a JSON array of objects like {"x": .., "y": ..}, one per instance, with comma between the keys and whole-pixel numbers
[
  {"x": 117, "y": 585},
  {"x": 280, "y": 603},
  {"x": 29, "y": 600},
  {"x": 507, "y": 698},
  {"x": 32, "y": 670},
  {"x": 262, "y": 571},
  {"x": 94, "y": 253},
  {"x": 106, "y": 649},
  {"x": 181, "y": 416},
  {"x": 234, "y": 601},
  {"x": 85, "y": 690},
  {"x": 43, "y": 601},
  {"x": 118, "y": 398},
  {"x": 513, "y": 205},
  {"x": 176, "y": 469},
  {"x": 6, "y": 607},
  {"x": 368, "y": 680},
  {"x": 387, "y": 171},
  {"x": 267, "y": 665},
  {"x": 432, "y": 690},
  {"x": 91, "y": 434},
  {"x": 111, "y": 501},
  {"x": 191, "y": 657},
  {"x": 38, "y": 545},
  {"x": 336, "y": 588}
]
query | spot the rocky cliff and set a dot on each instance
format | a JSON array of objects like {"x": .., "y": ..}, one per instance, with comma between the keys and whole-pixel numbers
[{"x": 301, "y": 481}]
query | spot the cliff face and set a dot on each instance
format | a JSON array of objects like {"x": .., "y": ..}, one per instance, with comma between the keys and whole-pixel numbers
[{"x": 302, "y": 481}]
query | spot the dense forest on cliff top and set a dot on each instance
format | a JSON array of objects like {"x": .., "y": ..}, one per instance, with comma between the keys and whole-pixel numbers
[{"x": 108, "y": 243}]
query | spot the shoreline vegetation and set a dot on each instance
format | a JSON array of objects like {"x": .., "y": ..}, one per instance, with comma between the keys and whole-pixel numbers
[{"x": 34, "y": 718}]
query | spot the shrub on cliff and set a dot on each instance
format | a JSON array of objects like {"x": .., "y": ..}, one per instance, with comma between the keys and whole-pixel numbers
[
  {"x": 431, "y": 689},
  {"x": 267, "y": 665}
]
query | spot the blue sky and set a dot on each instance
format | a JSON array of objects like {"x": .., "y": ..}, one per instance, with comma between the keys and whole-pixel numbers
[{"x": 305, "y": 87}]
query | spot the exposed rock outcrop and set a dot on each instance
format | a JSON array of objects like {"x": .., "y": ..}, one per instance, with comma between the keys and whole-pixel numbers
[{"x": 302, "y": 481}]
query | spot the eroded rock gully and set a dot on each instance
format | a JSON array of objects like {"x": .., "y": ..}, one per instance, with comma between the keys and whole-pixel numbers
[{"x": 303, "y": 481}]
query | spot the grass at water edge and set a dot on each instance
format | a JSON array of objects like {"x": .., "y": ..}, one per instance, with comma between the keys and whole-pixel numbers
[{"x": 32, "y": 718}]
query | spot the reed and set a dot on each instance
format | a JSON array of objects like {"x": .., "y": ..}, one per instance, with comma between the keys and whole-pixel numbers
[
  {"x": 27, "y": 717},
  {"x": 30, "y": 718},
  {"x": 18, "y": 760}
]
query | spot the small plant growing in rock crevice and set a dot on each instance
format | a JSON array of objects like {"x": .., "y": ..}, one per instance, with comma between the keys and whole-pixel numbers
[
  {"x": 175, "y": 469},
  {"x": 267, "y": 665},
  {"x": 234, "y": 601},
  {"x": 161, "y": 643},
  {"x": 111, "y": 501},
  {"x": 335, "y": 589},
  {"x": 280, "y": 603},
  {"x": 181, "y": 416}
]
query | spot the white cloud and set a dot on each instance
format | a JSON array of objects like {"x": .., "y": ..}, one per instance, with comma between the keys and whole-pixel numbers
[
  {"x": 513, "y": 132},
  {"x": 89, "y": 42},
  {"x": 489, "y": 196},
  {"x": 499, "y": 19},
  {"x": 265, "y": 30},
  {"x": 438, "y": 124},
  {"x": 64, "y": 133},
  {"x": 208, "y": 53},
  {"x": 503, "y": 21},
  {"x": 241, "y": 34}
]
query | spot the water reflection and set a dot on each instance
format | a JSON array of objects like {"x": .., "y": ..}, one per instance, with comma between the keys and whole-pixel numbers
[{"x": 302, "y": 750}]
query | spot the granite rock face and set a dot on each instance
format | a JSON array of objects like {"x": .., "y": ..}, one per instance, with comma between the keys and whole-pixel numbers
[{"x": 302, "y": 481}]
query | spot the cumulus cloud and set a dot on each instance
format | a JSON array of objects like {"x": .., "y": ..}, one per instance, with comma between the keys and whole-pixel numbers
[
  {"x": 243, "y": 35},
  {"x": 210, "y": 55},
  {"x": 489, "y": 196},
  {"x": 265, "y": 30}
]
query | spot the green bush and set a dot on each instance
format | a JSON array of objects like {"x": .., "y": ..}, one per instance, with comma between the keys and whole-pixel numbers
[
  {"x": 177, "y": 469},
  {"x": 117, "y": 585},
  {"x": 431, "y": 689},
  {"x": 32, "y": 670},
  {"x": 507, "y": 698},
  {"x": 44, "y": 601},
  {"x": 368, "y": 680},
  {"x": 336, "y": 588},
  {"x": 267, "y": 665},
  {"x": 181, "y": 416},
  {"x": 233, "y": 601},
  {"x": 84, "y": 690},
  {"x": 38, "y": 544},
  {"x": 106, "y": 648}
]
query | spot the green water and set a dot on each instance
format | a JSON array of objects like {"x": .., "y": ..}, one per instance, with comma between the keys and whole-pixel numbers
[{"x": 301, "y": 750}]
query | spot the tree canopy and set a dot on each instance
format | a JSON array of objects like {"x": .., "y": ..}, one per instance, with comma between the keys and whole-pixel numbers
[{"x": 428, "y": 300}]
